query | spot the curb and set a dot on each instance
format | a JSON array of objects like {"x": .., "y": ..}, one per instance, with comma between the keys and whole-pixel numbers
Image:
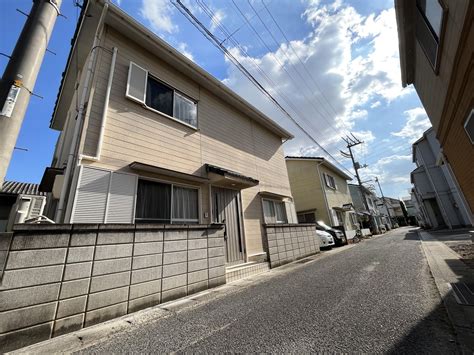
[{"x": 461, "y": 321}]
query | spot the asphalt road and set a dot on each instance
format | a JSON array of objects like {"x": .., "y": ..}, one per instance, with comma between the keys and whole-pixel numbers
[{"x": 377, "y": 297}]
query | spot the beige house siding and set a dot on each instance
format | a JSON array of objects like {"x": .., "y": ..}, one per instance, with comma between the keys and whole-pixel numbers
[
  {"x": 306, "y": 188},
  {"x": 225, "y": 137},
  {"x": 337, "y": 197},
  {"x": 308, "y": 194}
]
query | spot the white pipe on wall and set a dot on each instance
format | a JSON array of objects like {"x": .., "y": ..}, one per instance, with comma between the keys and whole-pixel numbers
[
  {"x": 72, "y": 150},
  {"x": 105, "y": 110}
]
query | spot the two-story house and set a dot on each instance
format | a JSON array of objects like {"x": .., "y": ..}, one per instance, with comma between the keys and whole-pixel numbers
[
  {"x": 320, "y": 192},
  {"x": 436, "y": 41},
  {"x": 379, "y": 220},
  {"x": 435, "y": 186},
  {"x": 147, "y": 136}
]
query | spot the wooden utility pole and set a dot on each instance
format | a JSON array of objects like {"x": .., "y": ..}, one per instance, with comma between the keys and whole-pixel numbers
[
  {"x": 352, "y": 142},
  {"x": 383, "y": 200}
]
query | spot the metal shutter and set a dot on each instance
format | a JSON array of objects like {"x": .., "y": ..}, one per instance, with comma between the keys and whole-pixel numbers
[
  {"x": 121, "y": 204},
  {"x": 136, "y": 83},
  {"x": 290, "y": 212},
  {"x": 91, "y": 196}
]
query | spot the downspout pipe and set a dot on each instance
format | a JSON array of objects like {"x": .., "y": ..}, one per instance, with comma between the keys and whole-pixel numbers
[
  {"x": 105, "y": 110},
  {"x": 80, "y": 117}
]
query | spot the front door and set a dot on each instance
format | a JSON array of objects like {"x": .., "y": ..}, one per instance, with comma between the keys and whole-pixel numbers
[{"x": 226, "y": 209}]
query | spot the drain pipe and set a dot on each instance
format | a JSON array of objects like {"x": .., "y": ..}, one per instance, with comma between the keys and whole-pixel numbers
[
  {"x": 80, "y": 117},
  {"x": 105, "y": 110}
]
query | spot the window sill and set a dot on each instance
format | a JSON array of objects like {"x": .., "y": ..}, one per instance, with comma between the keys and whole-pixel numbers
[{"x": 170, "y": 117}]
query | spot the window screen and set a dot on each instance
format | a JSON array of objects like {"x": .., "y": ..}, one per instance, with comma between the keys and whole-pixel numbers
[
  {"x": 136, "y": 85},
  {"x": 153, "y": 202},
  {"x": 433, "y": 12},
  {"x": 185, "y": 205},
  {"x": 428, "y": 23},
  {"x": 185, "y": 110},
  {"x": 330, "y": 182},
  {"x": 159, "y": 96}
]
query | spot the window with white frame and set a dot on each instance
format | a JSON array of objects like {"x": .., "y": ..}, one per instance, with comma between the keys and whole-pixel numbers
[
  {"x": 166, "y": 203},
  {"x": 158, "y": 96},
  {"x": 428, "y": 28},
  {"x": 330, "y": 181},
  {"x": 274, "y": 211}
]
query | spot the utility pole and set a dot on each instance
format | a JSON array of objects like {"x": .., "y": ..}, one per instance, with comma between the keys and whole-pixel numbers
[
  {"x": 20, "y": 75},
  {"x": 352, "y": 142},
  {"x": 383, "y": 200}
]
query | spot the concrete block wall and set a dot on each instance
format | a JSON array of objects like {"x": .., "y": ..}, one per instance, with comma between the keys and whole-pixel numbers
[
  {"x": 61, "y": 278},
  {"x": 288, "y": 242}
]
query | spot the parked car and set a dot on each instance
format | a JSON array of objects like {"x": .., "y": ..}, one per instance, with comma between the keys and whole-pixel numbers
[
  {"x": 325, "y": 239},
  {"x": 338, "y": 235}
]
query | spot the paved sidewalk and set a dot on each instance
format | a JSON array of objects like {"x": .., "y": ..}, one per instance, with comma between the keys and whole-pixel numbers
[{"x": 447, "y": 268}]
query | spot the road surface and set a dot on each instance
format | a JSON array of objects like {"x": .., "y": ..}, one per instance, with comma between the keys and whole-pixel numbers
[{"x": 377, "y": 296}]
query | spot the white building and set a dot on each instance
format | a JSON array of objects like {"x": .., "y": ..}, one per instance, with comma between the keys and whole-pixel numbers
[{"x": 436, "y": 190}]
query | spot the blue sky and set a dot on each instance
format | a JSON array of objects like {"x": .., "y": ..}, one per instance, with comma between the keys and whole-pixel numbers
[{"x": 350, "y": 79}]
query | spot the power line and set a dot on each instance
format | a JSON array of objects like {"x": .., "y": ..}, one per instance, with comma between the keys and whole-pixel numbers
[
  {"x": 210, "y": 36},
  {"x": 294, "y": 67},
  {"x": 271, "y": 83},
  {"x": 301, "y": 61}
]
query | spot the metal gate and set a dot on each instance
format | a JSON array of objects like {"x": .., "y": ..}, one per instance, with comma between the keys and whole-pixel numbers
[{"x": 226, "y": 209}]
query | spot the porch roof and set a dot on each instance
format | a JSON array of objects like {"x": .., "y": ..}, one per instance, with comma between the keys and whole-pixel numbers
[{"x": 166, "y": 172}]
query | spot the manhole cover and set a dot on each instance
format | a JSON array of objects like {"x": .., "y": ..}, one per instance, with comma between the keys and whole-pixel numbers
[{"x": 464, "y": 293}]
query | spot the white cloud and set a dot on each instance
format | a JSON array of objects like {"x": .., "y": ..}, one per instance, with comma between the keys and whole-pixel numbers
[
  {"x": 218, "y": 17},
  {"x": 349, "y": 80},
  {"x": 183, "y": 48},
  {"x": 158, "y": 14},
  {"x": 416, "y": 123}
]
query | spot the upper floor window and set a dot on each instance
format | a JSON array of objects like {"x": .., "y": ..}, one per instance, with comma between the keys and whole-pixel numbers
[
  {"x": 429, "y": 26},
  {"x": 158, "y": 96},
  {"x": 330, "y": 181}
]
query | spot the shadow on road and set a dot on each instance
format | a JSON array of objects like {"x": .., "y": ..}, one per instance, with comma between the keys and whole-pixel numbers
[
  {"x": 411, "y": 235},
  {"x": 435, "y": 331}
]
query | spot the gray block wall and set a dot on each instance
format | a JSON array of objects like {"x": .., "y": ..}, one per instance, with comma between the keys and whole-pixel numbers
[
  {"x": 61, "y": 278},
  {"x": 288, "y": 242}
]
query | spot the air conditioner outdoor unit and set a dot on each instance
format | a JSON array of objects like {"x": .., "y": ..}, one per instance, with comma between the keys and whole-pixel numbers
[{"x": 26, "y": 207}]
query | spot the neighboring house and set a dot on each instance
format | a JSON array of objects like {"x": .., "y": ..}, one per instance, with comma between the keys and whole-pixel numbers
[
  {"x": 436, "y": 40},
  {"x": 392, "y": 210},
  {"x": 381, "y": 220},
  {"x": 412, "y": 209},
  {"x": 147, "y": 136},
  {"x": 435, "y": 187},
  {"x": 19, "y": 201},
  {"x": 320, "y": 192}
]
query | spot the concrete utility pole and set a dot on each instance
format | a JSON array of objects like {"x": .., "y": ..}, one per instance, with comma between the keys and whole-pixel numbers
[
  {"x": 383, "y": 200},
  {"x": 352, "y": 142},
  {"x": 20, "y": 75}
]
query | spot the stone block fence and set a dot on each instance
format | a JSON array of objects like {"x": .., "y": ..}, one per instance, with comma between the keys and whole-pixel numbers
[
  {"x": 60, "y": 278},
  {"x": 288, "y": 242}
]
